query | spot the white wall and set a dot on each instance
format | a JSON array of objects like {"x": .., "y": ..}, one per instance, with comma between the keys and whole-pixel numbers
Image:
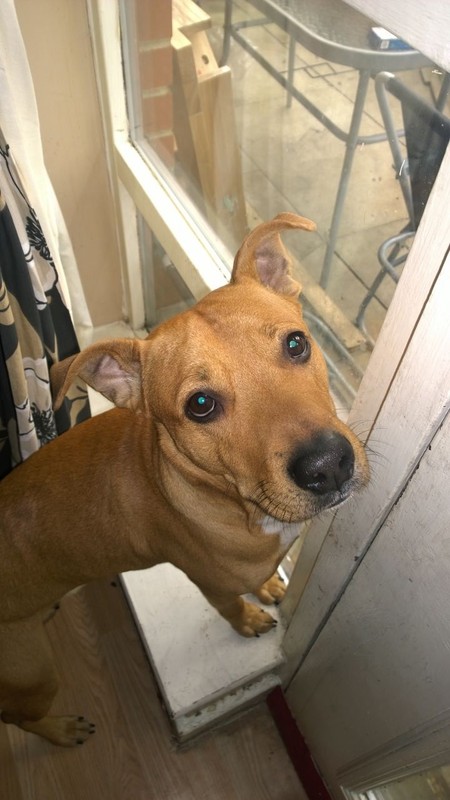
[{"x": 59, "y": 50}]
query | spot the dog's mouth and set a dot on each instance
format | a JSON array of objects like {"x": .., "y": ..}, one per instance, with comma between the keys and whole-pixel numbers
[
  {"x": 340, "y": 498},
  {"x": 295, "y": 508}
]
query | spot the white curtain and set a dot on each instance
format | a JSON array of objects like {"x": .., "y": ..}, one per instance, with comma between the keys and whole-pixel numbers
[{"x": 19, "y": 123}]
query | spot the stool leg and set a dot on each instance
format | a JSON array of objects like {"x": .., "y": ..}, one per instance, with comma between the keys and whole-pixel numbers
[
  {"x": 445, "y": 88},
  {"x": 226, "y": 32},
  {"x": 352, "y": 142},
  {"x": 290, "y": 74},
  {"x": 369, "y": 296}
]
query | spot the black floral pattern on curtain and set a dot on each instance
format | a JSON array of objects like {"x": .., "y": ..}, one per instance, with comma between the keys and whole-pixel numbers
[{"x": 36, "y": 329}]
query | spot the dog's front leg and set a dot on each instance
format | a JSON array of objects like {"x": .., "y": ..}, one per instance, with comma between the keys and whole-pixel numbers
[{"x": 246, "y": 618}]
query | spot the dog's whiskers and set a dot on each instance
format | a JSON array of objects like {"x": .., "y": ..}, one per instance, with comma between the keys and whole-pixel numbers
[{"x": 264, "y": 501}]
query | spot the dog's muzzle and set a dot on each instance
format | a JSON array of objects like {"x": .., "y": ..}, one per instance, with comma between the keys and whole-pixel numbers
[{"x": 324, "y": 465}]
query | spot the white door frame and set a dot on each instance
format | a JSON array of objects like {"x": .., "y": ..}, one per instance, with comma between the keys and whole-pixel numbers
[{"x": 138, "y": 186}]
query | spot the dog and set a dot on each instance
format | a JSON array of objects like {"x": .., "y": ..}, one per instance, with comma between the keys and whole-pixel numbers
[{"x": 224, "y": 438}]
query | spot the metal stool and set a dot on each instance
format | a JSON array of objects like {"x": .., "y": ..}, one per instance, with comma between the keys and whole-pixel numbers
[{"x": 426, "y": 133}]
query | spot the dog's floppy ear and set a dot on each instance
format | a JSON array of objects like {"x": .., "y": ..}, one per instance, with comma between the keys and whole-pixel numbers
[
  {"x": 263, "y": 257},
  {"x": 111, "y": 367}
]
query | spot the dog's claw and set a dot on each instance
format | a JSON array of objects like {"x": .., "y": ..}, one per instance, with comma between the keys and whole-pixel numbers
[{"x": 254, "y": 621}]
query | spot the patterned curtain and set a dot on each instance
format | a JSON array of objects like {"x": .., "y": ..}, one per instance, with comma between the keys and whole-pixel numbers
[{"x": 35, "y": 328}]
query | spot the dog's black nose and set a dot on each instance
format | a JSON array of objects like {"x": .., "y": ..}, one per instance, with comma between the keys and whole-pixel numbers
[{"x": 324, "y": 464}]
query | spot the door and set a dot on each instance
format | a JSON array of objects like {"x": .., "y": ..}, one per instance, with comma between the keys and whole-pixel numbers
[
  {"x": 373, "y": 695},
  {"x": 369, "y": 680}
]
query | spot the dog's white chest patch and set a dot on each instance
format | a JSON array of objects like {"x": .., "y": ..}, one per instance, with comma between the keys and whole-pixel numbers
[{"x": 287, "y": 531}]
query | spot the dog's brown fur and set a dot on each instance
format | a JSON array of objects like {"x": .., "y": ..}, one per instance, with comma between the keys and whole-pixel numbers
[{"x": 147, "y": 482}]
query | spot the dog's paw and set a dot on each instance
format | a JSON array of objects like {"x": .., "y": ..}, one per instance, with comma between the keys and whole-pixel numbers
[
  {"x": 253, "y": 621},
  {"x": 272, "y": 591},
  {"x": 64, "y": 731}
]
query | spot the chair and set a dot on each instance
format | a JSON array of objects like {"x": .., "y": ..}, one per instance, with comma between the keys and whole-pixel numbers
[{"x": 426, "y": 134}]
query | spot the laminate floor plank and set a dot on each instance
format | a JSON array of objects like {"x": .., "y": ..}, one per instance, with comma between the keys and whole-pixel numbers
[
  {"x": 9, "y": 779},
  {"x": 105, "y": 676}
]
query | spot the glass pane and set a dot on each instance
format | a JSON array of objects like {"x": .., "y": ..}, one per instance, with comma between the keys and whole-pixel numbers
[
  {"x": 433, "y": 784},
  {"x": 290, "y": 121},
  {"x": 166, "y": 293}
]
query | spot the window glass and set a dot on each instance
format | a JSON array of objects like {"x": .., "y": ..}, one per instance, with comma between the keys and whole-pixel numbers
[
  {"x": 432, "y": 784},
  {"x": 166, "y": 293},
  {"x": 253, "y": 108}
]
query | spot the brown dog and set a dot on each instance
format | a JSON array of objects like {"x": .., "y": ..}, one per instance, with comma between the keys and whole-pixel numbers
[{"x": 225, "y": 438}]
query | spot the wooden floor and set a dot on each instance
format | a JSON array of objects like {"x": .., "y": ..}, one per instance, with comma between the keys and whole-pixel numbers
[{"x": 106, "y": 678}]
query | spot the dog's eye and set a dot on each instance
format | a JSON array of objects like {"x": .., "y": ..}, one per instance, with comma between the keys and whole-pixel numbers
[
  {"x": 200, "y": 407},
  {"x": 298, "y": 346}
]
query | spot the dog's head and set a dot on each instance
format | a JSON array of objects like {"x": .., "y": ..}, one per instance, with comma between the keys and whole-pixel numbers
[{"x": 238, "y": 389}]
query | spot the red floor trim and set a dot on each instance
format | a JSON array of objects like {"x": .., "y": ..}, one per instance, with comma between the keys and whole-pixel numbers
[{"x": 296, "y": 747}]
